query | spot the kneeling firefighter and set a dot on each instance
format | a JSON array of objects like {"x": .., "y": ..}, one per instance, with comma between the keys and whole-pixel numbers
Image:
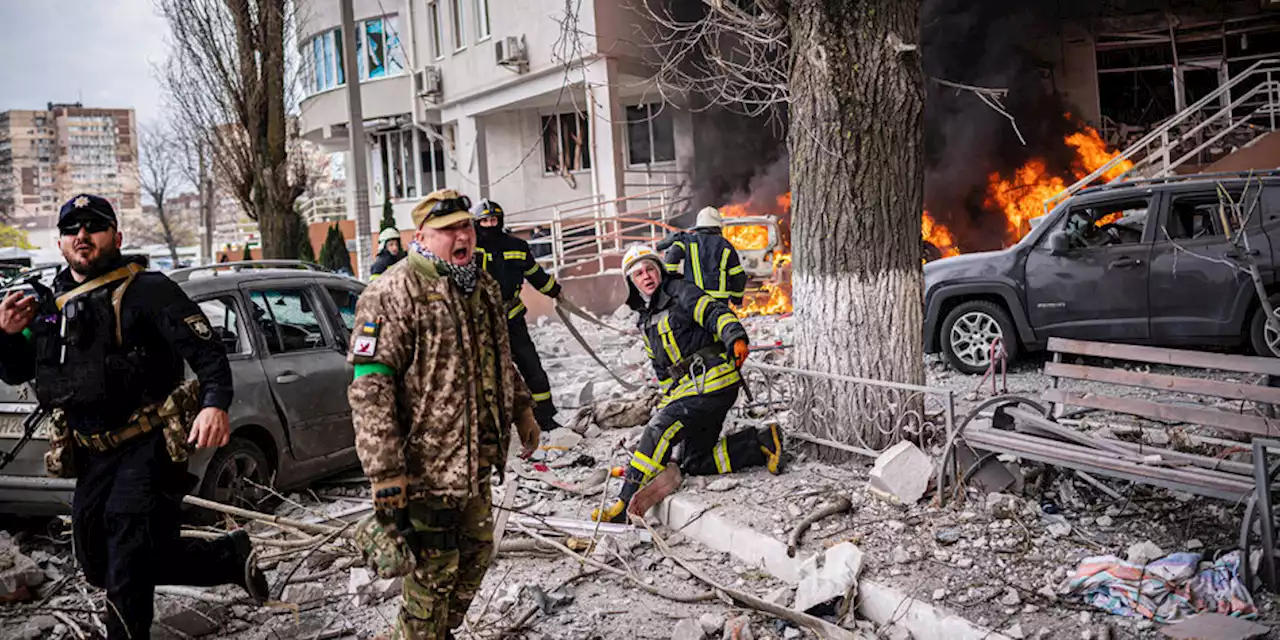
[
  {"x": 697, "y": 346},
  {"x": 508, "y": 259}
]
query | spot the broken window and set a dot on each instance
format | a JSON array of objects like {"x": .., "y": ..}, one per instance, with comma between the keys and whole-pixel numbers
[
  {"x": 1106, "y": 224},
  {"x": 566, "y": 145},
  {"x": 1193, "y": 217}
]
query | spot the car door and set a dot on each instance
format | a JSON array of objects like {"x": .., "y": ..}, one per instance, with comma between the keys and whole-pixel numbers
[
  {"x": 252, "y": 402},
  {"x": 1196, "y": 288},
  {"x": 1094, "y": 285},
  {"x": 308, "y": 374}
]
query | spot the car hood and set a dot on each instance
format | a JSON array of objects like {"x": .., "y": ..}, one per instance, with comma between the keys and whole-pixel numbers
[{"x": 983, "y": 264}]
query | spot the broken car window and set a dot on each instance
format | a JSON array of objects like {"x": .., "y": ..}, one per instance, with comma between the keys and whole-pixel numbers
[{"x": 1106, "y": 224}]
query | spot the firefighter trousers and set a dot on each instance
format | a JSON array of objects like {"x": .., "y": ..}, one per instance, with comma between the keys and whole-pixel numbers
[
  {"x": 452, "y": 547},
  {"x": 696, "y": 421},
  {"x": 126, "y": 521},
  {"x": 530, "y": 366}
]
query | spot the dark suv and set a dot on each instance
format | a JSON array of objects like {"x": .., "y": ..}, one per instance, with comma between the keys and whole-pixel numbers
[{"x": 1143, "y": 262}]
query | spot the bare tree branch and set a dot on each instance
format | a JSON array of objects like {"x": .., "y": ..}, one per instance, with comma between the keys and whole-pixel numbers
[{"x": 160, "y": 177}]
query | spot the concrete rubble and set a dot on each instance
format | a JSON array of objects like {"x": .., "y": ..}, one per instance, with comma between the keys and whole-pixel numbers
[
  {"x": 901, "y": 474},
  {"x": 986, "y": 564}
]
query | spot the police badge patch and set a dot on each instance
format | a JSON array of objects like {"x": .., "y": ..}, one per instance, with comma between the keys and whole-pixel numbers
[{"x": 199, "y": 326}]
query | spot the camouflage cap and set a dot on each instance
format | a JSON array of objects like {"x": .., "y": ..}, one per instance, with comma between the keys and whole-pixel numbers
[{"x": 442, "y": 208}]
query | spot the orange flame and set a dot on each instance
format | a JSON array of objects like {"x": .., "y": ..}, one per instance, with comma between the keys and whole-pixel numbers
[
  {"x": 773, "y": 297},
  {"x": 1021, "y": 196},
  {"x": 938, "y": 235}
]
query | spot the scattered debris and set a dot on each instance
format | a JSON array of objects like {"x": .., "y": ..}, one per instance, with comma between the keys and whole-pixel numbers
[
  {"x": 841, "y": 505},
  {"x": 723, "y": 484},
  {"x": 1214, "y": 626},
  {"x": 901, "y": 474},
  {"x": 18, "y": 573},
  {"x": 687, "y": 629},
  {"x": 738, "y": 628},
  {"x": 829, "y": 575},
  {"x": 1144, "y": 552}
]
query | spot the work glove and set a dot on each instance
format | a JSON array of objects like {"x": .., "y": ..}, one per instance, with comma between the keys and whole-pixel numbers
[
  {"x": 740, "y": 352},
  {"x": 530, "y": 434},
  {"x": 391, "y": 494}
]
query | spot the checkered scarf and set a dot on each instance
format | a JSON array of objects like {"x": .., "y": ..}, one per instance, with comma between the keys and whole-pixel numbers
[{"x": 464, "y": 277}]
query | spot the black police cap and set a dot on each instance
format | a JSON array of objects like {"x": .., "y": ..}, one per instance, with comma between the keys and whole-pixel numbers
[{"x": 90, "y": 204}]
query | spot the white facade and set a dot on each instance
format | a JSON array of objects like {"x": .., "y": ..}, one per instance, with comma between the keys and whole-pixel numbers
[{"x": 571, "y": 122}]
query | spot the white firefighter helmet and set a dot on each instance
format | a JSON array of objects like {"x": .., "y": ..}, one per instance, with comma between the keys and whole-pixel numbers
[
  {"x": 709, "y": 217},
  {"x": 636, "y": 254},
  {"x": 387, "y": 235}
]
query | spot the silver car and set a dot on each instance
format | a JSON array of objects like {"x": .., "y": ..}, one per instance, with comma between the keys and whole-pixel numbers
[{"x": 286, "y": 331}]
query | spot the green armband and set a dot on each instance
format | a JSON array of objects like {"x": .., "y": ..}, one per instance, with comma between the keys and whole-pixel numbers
[
  {"x": 374, "y": 367},
  {"x": 26, "y": 333}
]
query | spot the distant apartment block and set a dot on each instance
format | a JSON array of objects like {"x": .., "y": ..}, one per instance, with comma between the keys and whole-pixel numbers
[{"x": 47, "y": 156}]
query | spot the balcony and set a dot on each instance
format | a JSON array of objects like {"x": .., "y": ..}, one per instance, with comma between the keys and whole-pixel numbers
[{"x": 380, "y": 98}]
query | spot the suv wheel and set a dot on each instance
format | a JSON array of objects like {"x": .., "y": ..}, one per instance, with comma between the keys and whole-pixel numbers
[
  {"x": 236, "y": 473},
  {"x": 970, "y": 329},
  {"x": 1265, "y": 340}
]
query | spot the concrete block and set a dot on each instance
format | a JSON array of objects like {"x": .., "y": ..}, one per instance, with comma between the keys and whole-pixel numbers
[
  {"x": 17, "y": 571},
  {"x": 687, "y": 629},
  {"x": 901, "y": 474},
  {"x": 829, "y": 575}
]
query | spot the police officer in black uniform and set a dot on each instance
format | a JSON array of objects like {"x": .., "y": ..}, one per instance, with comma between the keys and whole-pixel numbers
[
  {"x": 508, "y": 259},
  {"x": 112, "y": 351}
]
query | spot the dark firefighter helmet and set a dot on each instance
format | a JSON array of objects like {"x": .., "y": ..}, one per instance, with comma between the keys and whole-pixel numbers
[{"x": 486, "y": 209}]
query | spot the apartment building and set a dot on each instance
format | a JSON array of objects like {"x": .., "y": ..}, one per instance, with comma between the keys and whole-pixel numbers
[
  {"x": 514, "y": 100},
  {"x": 47, "y": 156}
]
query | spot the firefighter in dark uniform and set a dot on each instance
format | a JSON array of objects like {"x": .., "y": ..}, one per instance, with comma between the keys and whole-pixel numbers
[
  {"x": 508, "y": 259},
  {"x": 697, "y": 346},
  {"x": 710, "y": 261},
  {"x": 107, "y": 355},
  {"x": 390, "y": 254}
]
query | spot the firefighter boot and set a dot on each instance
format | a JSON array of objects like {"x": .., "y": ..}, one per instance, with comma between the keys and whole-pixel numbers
[
  {"x": 616, "y": 512},
  {"x": 255, "y": 581},
  {"x": 771, "y": 444}
]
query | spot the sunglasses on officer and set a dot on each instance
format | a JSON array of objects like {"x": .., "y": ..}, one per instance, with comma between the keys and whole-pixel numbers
[{"x": 91, "y": 225}]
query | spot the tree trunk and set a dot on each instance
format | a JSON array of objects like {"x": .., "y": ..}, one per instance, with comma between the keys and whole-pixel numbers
[
  {"x": 280, "y": 232},
  {"x": 166, "y": 231},
  {"x": 857, "y": 182}
]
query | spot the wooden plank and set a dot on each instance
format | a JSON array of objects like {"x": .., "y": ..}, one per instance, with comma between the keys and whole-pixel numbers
[
  {"x": 1171, "y": 455},
  {"x": 1160, "y": 382},
  {"x": 1159, "y": 355},
  {"x": 1253, "y": 425},
  {"x": 1048, "y": 426},
  {"x": 1204, "y": 482}
]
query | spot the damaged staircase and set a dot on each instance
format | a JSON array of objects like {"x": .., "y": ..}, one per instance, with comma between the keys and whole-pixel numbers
[{"x": 1235, "y": 119}]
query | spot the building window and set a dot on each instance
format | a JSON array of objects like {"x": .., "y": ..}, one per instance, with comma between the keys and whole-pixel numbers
[
  {"x": 378, "y": 53},
  {"x": 649, "y": 134},
  {"x": 458, "y": 42},
  {"x": 566, "y": 143},
  {"x": 431, "y": 160},
  {"x": 437, "y": 35},
  {"x": 324, "y": 62},
  {"x": 482, "y": 19}
]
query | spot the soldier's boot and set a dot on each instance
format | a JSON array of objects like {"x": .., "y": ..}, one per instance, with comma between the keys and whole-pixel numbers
[
  {"x": 771, "y": 444},
  {"x": 255, "y": 581},
  {"x": 616, "y": 512}
]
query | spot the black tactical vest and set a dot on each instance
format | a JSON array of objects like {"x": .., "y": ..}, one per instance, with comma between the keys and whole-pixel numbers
[{"x": 78, "y": 362}]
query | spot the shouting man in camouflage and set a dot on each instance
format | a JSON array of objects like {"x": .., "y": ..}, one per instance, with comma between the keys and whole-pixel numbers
[{"x": 434, "y": 397}]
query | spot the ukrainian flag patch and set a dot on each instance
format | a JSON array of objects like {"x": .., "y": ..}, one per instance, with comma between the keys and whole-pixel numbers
[{"x": 370, "y": 329}]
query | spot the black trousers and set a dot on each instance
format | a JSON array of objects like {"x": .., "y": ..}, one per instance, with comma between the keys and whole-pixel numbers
[
  {"x": 696, "y": 421},
  {"x": 125, "y": 526},
  {"x": 530, "y": 366}
]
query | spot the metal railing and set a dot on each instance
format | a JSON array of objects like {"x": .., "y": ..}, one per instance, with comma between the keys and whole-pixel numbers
[
  {"x": 887, "y": 412},
  {"x": 330, "y": 207},
  {"x": 1247, "y": 104},
  {"x": 587, "y": 230}
]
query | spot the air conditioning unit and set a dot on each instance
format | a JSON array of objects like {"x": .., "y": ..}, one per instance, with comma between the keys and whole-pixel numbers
[
  {"x": 510, "y": 53},
  {"x": 428, "y": 82}
]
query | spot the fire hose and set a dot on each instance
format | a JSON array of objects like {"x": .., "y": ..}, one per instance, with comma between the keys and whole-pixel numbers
[{"x": 561, "y": 306}]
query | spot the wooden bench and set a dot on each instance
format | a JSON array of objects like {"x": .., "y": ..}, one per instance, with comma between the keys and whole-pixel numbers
[{"x": 1030, "y": 430}]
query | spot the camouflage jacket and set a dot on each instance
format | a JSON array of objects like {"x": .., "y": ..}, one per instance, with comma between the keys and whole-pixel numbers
[{"x": 435, "y": 391}]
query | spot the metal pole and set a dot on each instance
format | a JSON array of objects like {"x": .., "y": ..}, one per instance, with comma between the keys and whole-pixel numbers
[
  {"x": 206, "y": 207},
  {"x": 1262, "y": 491},
  {"x": 358, "y": 208},
  {"x": 1271, "y": 100}
]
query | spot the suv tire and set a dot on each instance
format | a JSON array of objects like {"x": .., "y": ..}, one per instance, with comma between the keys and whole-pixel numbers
[
  {"x": 967, "y": 333},
  {"x": 225, "y": 477},
  {"x": 1258, "y": 330}
]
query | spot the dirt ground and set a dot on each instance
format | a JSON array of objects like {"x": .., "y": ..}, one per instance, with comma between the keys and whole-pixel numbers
[{"x": 990, "y": 559}]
